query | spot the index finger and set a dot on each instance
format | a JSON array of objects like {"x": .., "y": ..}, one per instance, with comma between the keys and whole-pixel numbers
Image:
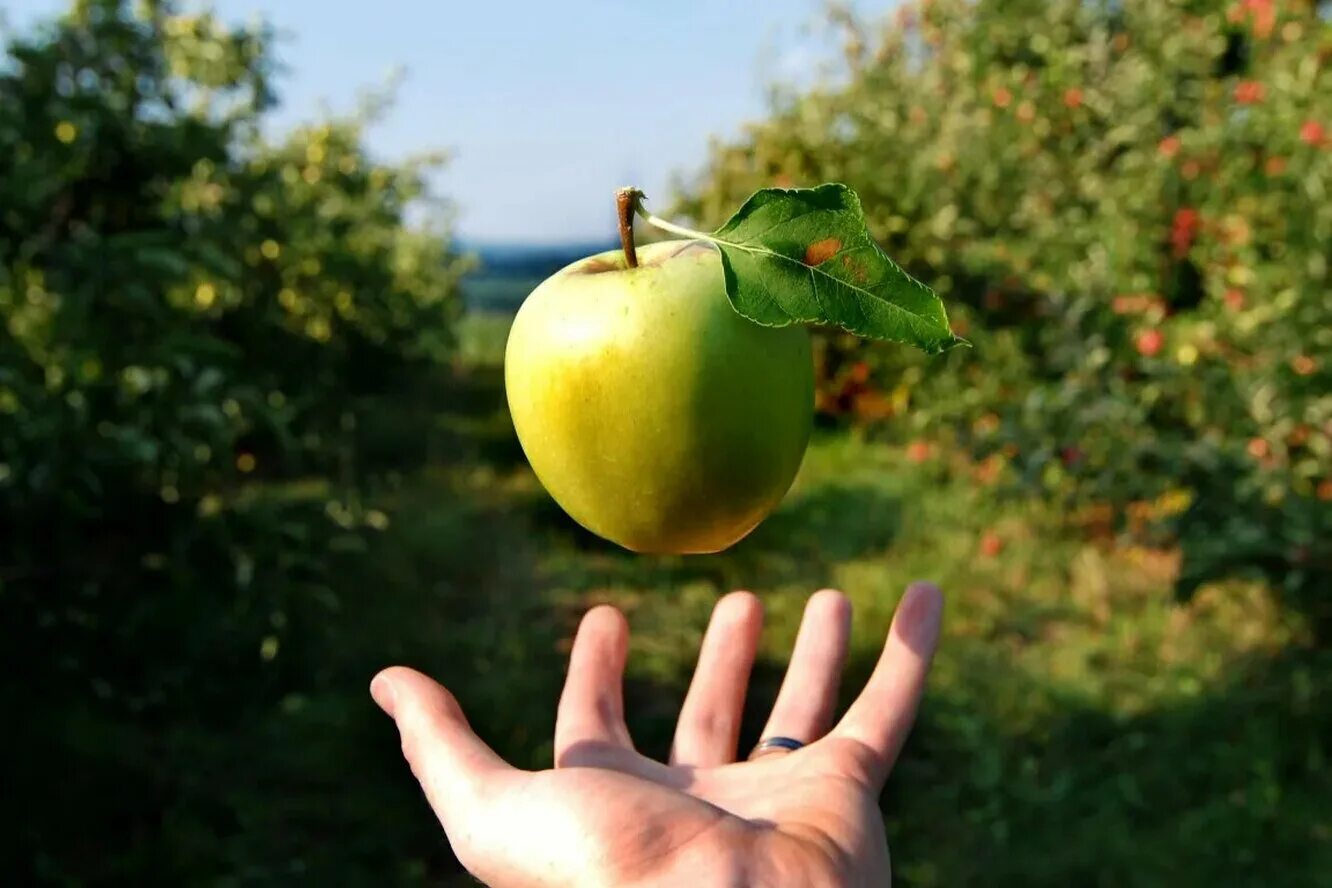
[{"x": 881, "y": 717}]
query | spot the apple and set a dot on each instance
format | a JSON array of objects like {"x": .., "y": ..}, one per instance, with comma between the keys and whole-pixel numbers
[
  {"x": 654, "y": 414},
  {"x": 991, "y": 544}
]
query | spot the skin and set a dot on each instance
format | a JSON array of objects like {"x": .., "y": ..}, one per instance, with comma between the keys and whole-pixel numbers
[
  {"x": 607, "y": 816},
  {"x": 656, "y": 416}
]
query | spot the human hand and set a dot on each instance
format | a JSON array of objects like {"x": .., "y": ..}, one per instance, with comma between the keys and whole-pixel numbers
[{"x": 606, "y": 815}]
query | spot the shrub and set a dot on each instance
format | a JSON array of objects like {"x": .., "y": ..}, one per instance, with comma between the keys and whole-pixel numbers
[
  {"x": 194, "y": 319},
  {"x": 1126, "y": 206}
]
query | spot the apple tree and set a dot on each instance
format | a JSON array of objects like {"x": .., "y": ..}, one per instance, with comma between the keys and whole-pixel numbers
[
  {"x": 1126, "y": 206},
  {"x": 192, "y": 316}
]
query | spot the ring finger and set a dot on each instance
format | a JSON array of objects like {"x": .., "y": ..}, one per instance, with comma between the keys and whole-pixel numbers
[{"x": 808, "y": 697}]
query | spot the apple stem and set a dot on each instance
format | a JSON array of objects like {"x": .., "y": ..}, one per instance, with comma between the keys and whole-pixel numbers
[
  {"x": 626, "y": 202},
  {"x": 629, "y": 202}
]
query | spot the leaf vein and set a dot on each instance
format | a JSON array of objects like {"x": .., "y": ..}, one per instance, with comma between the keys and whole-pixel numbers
[{"x": 862, "y": 292}]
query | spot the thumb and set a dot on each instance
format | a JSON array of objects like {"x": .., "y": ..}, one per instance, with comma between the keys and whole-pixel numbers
[{"x": 457, "y": 770}]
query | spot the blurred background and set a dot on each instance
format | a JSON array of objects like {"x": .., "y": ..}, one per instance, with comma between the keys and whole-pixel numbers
[{"x": 254, "y": 444}]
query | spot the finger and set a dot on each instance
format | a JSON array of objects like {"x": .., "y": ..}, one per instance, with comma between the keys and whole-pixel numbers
[
  {"x": 881, "y": 717},
  {"x": 709, "y": 726},
  {"x": 591, "y": 711},
  {"x": 805, "y": 704},
  {"x": 457, "y": 770}
]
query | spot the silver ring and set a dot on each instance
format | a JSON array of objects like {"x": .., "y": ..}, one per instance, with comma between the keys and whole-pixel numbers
[{"x": 772, "y": 743}]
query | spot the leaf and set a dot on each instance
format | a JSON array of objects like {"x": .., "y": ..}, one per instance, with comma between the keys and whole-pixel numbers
[{"x": 805, "y": 256}]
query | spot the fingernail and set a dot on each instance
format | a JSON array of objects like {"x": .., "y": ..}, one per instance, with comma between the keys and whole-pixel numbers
[
  {"x": 924, "y": 606},
  {"x": 381, "y": 689}
]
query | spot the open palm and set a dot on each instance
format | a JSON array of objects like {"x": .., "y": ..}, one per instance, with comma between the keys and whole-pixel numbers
[{"x": 607, "y": 816}]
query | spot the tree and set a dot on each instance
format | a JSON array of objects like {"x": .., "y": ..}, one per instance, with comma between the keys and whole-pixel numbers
[
  {"x": 1128, "y": 200},
  {"x": 193, "y": 317}
]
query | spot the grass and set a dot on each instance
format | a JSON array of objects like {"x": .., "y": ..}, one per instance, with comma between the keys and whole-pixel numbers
[{"x": 1080, "y": 727}]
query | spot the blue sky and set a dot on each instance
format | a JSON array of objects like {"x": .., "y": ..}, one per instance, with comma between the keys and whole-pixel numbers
[{"x": 547, "y": 106}]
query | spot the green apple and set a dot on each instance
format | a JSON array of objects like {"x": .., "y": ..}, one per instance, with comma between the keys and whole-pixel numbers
[{"x": 653, "y": 413}]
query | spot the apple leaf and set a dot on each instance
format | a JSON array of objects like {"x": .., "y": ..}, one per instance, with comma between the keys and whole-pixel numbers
[{"x": 805, "y": 256}]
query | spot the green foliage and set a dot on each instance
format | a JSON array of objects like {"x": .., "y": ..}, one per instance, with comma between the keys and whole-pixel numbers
[
  {"x": 803, "y": 256},
  {"x": 1071, "y": 730},
  {"x": 1131, "y": 202},
  {"x": 185, "y": 308},
  {"x": 219, "y": 368}
]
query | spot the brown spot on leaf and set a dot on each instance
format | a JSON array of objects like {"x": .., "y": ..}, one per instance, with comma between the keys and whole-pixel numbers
[
  {"x": 821, "y": 251},
  {"x": 856, "y": 268}
]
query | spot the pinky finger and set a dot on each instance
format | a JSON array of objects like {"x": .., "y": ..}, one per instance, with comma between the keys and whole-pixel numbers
[{"x": 460, "y": 774}]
